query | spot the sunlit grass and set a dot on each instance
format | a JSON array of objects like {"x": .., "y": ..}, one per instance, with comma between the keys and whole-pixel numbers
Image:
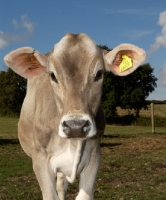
[
  {"x": 133, "y": 165},
  {"x": 8, "y": 127},
  {"x": 159, "y": 111}
]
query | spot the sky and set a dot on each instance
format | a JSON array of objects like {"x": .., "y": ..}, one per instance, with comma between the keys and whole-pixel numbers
[{"x": 42, "y": 23}]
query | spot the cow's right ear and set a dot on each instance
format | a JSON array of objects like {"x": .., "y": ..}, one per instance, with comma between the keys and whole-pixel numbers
[
  {"x": 26, "y": 62},
  {"x": 124, "y": 59}
]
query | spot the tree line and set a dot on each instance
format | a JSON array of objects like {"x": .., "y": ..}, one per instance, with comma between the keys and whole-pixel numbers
[
  {"x": 129, "y": 92},
  {"x": 12, "y": 93}
]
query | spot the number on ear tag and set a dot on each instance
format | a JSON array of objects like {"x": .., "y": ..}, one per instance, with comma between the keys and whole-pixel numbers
[{"x": 126, "y": 63}]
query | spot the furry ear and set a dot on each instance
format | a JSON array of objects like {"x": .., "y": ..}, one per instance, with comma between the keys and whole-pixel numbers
[
  {"x": 116, "y": 58},
  {"x": 26, "y": 62}
]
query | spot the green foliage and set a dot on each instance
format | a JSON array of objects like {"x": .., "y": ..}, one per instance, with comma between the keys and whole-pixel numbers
[
  {"x": 110, "y": 95},
  {"x": 105, "y": 47},
  {"x": 129, "y": 92},
  {"x": 136, "y": 87},
  {"x": 12, "y": 93}
]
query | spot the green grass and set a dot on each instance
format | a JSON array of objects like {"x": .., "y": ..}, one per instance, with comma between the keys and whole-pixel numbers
[
  {"x": 8, "y": 127},
  {"x": 133, "y": 165},
  {"x": 132, "y": 129},
  {"x": 17, "y": 180}
]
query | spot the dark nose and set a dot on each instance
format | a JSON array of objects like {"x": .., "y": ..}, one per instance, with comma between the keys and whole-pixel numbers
[{"x": 76, "y": 128}]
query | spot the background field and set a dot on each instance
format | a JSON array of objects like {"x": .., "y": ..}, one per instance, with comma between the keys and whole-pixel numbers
[
  {"x": 133, "y": 165},
  {"x": 159, "y": 111},
  {"x": 128, "y": 116},
  {"x": 8, "y": 126}
]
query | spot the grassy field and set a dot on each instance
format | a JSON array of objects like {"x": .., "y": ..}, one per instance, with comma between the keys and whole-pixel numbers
[
  {"x": 133, "y": 165},
  {"x": 8, "y": 127},
  {"x": 159, "y": 111},
  {"x": 11, "y": 123}
]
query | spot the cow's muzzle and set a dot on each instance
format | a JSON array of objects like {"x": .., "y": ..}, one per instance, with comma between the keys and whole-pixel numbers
[{"x": 76, "y": 127}]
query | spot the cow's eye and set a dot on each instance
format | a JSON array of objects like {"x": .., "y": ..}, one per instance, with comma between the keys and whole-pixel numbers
[
  {"x": 99, "y": 75},
  {"x": 53, "y": 77}
]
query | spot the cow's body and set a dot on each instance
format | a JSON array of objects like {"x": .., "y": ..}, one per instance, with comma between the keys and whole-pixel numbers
[
  {"x": 61, "y": 121},
  {"x": 47, "y": 149}
]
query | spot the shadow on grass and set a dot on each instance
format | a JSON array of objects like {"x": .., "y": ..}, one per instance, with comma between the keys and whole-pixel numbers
[
  {"x": 110, "y": 144},
  {"x": 8, "y": 141},
  {"x": 127, "y": 135},
  {"x": 111, "y": 136},
  {"x": 103, "y": 144}
]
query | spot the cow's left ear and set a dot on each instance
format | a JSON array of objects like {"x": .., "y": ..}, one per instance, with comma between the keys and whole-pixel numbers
[
  {"x": 26, "y": 62},
  {"x": 124, "y": 59}
]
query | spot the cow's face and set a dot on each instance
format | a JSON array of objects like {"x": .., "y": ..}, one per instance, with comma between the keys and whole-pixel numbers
[{"x": 75, "y": 68}]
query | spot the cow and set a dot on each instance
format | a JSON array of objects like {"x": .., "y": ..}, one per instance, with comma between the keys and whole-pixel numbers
[{"x": 61, "y": 121}]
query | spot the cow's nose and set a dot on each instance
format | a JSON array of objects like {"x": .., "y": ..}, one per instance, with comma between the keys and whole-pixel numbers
[{"x": 76, "y": 128}]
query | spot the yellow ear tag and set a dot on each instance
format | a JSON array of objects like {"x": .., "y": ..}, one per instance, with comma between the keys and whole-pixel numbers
[{"x": 126, "y": 63}]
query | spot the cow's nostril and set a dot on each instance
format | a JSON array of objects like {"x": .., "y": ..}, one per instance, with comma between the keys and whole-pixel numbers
[
  {"x": 66, "y": 128},
  {"x": 86, "y": 127}
]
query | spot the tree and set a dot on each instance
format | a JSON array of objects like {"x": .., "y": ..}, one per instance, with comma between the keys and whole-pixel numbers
[
  {"x": 136, "y": 87},
  {"x": 110, "y": 96},
  {"x": 129, "y": 92},
  {"x": 12, "y": 92}
]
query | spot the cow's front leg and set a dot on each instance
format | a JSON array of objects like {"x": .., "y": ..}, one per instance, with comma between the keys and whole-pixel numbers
[
  {"x": 88, "y": 176},
  {"x": 45, "y": 176},
  {"x": 62, "y": 185}
]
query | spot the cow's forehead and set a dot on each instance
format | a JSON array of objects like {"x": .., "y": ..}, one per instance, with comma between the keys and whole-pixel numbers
[
  {"x": 74, "y": 58},
  {"x": 74, "y": 43}
]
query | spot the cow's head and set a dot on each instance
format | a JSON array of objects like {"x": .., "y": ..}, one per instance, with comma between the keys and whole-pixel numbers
[{"x": 76, "y": 67}]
